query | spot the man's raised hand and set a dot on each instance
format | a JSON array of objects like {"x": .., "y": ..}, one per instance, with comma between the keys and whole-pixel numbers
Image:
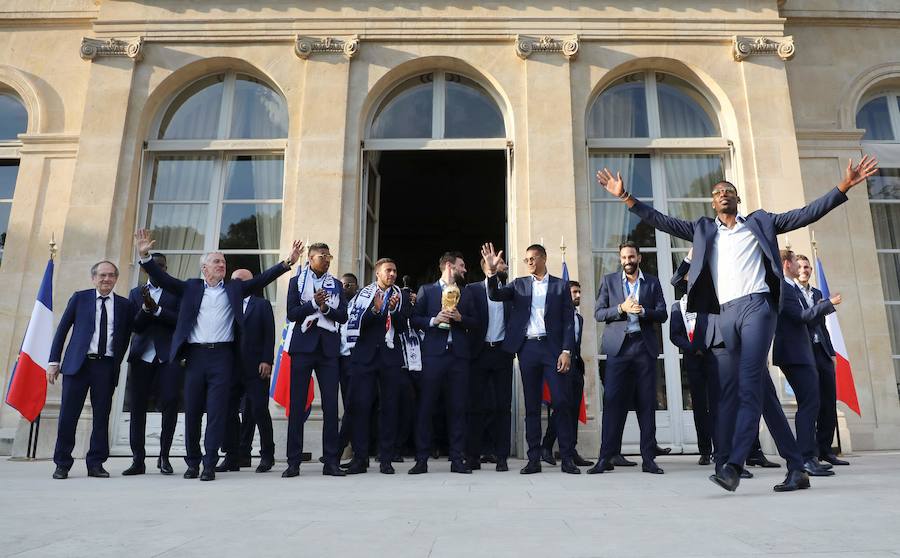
[
  {"x": 491, "y": 258},
  {"x": 856, "y": 174},
  {"x": 613, "y": 184},
  {"x": 296, "y": 251},
  {"x": 143, "y": 243}
]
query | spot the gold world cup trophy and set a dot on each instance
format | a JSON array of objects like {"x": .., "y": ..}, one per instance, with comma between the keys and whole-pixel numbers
[{"x": 449, "y": 301}]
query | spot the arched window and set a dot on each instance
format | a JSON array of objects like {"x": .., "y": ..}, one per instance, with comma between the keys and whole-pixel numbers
[
  {"x": 879, "y": 116},
  {"x": 215, "y": 175},
  {"x": 663, "y": 135},
  {"x": 13, "y": 121}
]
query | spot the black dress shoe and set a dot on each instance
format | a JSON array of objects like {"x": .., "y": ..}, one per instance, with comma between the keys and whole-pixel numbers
[
  {"x": 745, "y": 474},
  {"x": 98, "y": 472},
  {"x": 728, "y": 477},
  {"x": 761, "y": 461},
  {"x": 135, "y": 469},
  {"x": 208, "y": 474},
  {"x": 460, "y": 466},
  {"x": 322, "y": 459},
  {"x": 227, "y": 465},
  {"x": 489, "y": 458},
  {"x": 531, "y": 468},
  {"x": 435, "y": 453},
  {"x": 833, "y": 459},
  {"x": 291, "y": 471},
  {"x": 265, "y": 465},
  {"x": 580, "y": 461},
  {"x": 474, "y": 463},
  {"x": 359, "y": 467},
  {"x": 502, "y": 466},
  {"x": 662, "y": 451},
  {"x": 813, "y": 469},
  {"x": 419, "y": 468},
  {"x": 568, "y": 466},
  {"x": 620, "y": 461},
  {"x": 333, "y": 471},
  {"x": 397, "y": 459},
  {"x": 602, "y": 466},
  {"x": 385, "y": 468},
  {"x": 547, "y": 456},
  {"x": 652, "y": 468},
  {"x": 191, "y": 473},
  {"x": 704, "y": 460},
  {"x": 795, "y": 480},
  {"x": 245, "y": 462},
  {"x": 162, "y": 463},
  {"x": 60, "y": 473}
]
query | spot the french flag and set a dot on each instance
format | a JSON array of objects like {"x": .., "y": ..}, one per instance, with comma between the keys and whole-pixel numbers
[
  {"x": 545, "y": 395},
  {"x": 27, "y": 391},
  {"x": 280, "y": 390},
  {"x": 846, "y": 389}
]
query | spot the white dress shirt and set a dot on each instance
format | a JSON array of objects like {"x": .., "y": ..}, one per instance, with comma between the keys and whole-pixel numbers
[
  {"x": 215, "y": 320},
  {"x": 246, "y": 301},
  {"x": 95, "y": 338},
  {"x": 536, "y": 326},
  {"x": 496, "y": 329},
  {"x": 736, "y": 262},
  {"x": 155, "y": 293},
  {"x": 577, "y": 330},
  {"x": 629, "y": 290}
]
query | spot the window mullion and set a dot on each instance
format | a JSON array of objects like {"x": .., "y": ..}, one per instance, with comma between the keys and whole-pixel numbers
[
  {"x": 438, "y": 105},
  {"x": 217, "y": 194},
  {"x": 652, "y": 105},
  {"x": 894, "y": 112}
]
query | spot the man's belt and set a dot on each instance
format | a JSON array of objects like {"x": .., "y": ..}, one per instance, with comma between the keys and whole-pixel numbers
[
  {"x": 95, "y": 356},
  {"x": 535, "y": 337},
  {"x": 220, "y": 345}
]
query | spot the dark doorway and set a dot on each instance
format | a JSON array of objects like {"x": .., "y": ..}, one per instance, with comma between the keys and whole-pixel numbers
[{"x": 436, "y": 201}]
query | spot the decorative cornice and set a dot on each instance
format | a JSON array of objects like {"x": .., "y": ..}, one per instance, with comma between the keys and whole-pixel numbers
[
  {"x": 526, "y": 46},
  {"x": 744, "y": 47},
  {"x": 305, "y": 47},
  {"x": 132, "y": 48}
]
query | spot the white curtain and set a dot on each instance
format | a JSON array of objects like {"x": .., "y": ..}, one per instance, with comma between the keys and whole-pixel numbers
[
  {"x": 195, "y": 113},
  {"x": 619, "y": 112},
  {"x": 681, "y": 115},
  {"x": 259, "y": 112}
]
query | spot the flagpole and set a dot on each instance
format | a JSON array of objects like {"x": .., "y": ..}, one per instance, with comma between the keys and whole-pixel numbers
[
  {"x": 34, "y": 430},
  {"x": 815, "y": 248}
]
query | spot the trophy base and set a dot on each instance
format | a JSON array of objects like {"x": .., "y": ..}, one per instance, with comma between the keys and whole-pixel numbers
[{"x": 443, "y": 326}]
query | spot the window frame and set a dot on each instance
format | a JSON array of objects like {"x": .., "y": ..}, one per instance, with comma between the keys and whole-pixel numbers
[{"x": 11, "y": 150}]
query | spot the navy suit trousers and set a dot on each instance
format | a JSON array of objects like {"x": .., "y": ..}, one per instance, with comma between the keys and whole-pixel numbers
[
  {"x": 491, "y": 369},
  {"x": 207, "y": 383},
  {"x": 253, "y": 391},
  {"x": 450, "y": 373},
  {"x": 576, "y": 387},
  {"x": 168, "y": 378},
  {"x": 630, "y": 376},
  {"x": 827, "y": 421},
  {"x": 703, "y": 381},
  {"x": 804, "y": 380},
  {"x": 376, "y": 380},
  {"x": 98, "y": 376},
  {"x": 537, "y": 366},
  {"x": 302, "y": 366},
  {"x": 344, "y": 375},
  {"x": 747, "y": 391}
]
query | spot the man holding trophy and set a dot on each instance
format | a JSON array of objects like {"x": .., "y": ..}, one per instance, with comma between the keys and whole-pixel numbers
[{"x": 444, "y": 313}]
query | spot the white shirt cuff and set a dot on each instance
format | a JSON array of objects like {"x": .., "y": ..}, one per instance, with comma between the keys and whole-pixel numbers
[{"x": 145, "y": 260}]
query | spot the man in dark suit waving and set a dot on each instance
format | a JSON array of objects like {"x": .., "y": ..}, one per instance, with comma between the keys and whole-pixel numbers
[
  {"x": 210, "y": 321},
  {"x": 154, "y": 324},
  {"x": 736, "y": 272},
  {"x": 541, "y": 331},
  {"x": 631, "y": 303},
  {"x": 101, "y": 322}
]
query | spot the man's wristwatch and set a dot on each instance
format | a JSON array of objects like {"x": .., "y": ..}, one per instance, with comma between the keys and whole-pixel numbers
[{"x": 287, "y": 262}]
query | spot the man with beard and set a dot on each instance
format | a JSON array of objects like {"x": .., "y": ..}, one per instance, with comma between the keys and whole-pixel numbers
[
  {"x": 631, "y": 303},
  {"x": 541, "y": 331},
  {"x": 377, "y": 318},
  {"x": 490, "y": 379},
  {"x": 445, "y": 363},
  {"x": 736, "y": 272},
  {"x": 824, "y": 355}
]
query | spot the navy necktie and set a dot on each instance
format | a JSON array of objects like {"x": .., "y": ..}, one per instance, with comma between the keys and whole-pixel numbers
[{"x": 101, "y": 340}]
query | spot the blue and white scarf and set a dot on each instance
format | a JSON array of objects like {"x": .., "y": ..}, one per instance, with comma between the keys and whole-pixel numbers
[{"x": 306, "y": 287}]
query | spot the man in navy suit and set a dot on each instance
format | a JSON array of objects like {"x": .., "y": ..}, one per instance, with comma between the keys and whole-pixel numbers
[
  {"x": 576, "y": 376},
  {"x": 252, "y": 370},
  {"x": 541, "y": 331},
  {"x": 154, "y": 325},
  {"x": 630, "y": 303},
  {"x": 210, "y": 323},
  {"x": 101, "y": 323},
  {"x": 736, "y": 272},
  {"x": 378, "y": 318},
  {"x": 824, "y": 355},
  {"x": 792, "y": 351},
  {"x": 317, "y": 306},
  {"x": 490, "y": 377},
  {"x": 350, "y": 284},
  {"x": 445, "y": 363}
]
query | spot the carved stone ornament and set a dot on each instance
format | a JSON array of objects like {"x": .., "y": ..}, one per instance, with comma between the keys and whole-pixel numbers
[
  {"x": 749, "y": 46},
  {"x": 526, "y": 46},
  {"x": 305, "y": 47},
  {"x": 92, "y": 48}
]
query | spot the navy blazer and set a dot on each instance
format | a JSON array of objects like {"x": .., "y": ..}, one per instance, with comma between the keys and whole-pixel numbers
[
  {"x": 765, "y": 227},
  {"x": 308, "y": 341},
  {"x": 705, "y": 331},
  {"x": 577, "y": 361},
  {"x": 480, "y": 306},
  {"x": 796, "y": 321},
  {"x": 372, "y": 328},
  {"x": 559, "y": 313},
  {"x": 150, "y": 329},
  {"x": 80, "y": 316},
  {"x": 428, "y": 305},
  {"x": 818, "y": 326},
  {"x": 191, "y": 293},
  {"x": 258, "y": 338},
  {"x": 606, "y": 310}
]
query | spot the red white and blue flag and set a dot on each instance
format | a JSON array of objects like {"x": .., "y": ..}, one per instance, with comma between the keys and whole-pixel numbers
[
  {"x": 546, "y": 399},
  {"x": 846, "y": 389},
  {"x": 280, "y": 389},
  {"x": 27, "y": 391}
]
